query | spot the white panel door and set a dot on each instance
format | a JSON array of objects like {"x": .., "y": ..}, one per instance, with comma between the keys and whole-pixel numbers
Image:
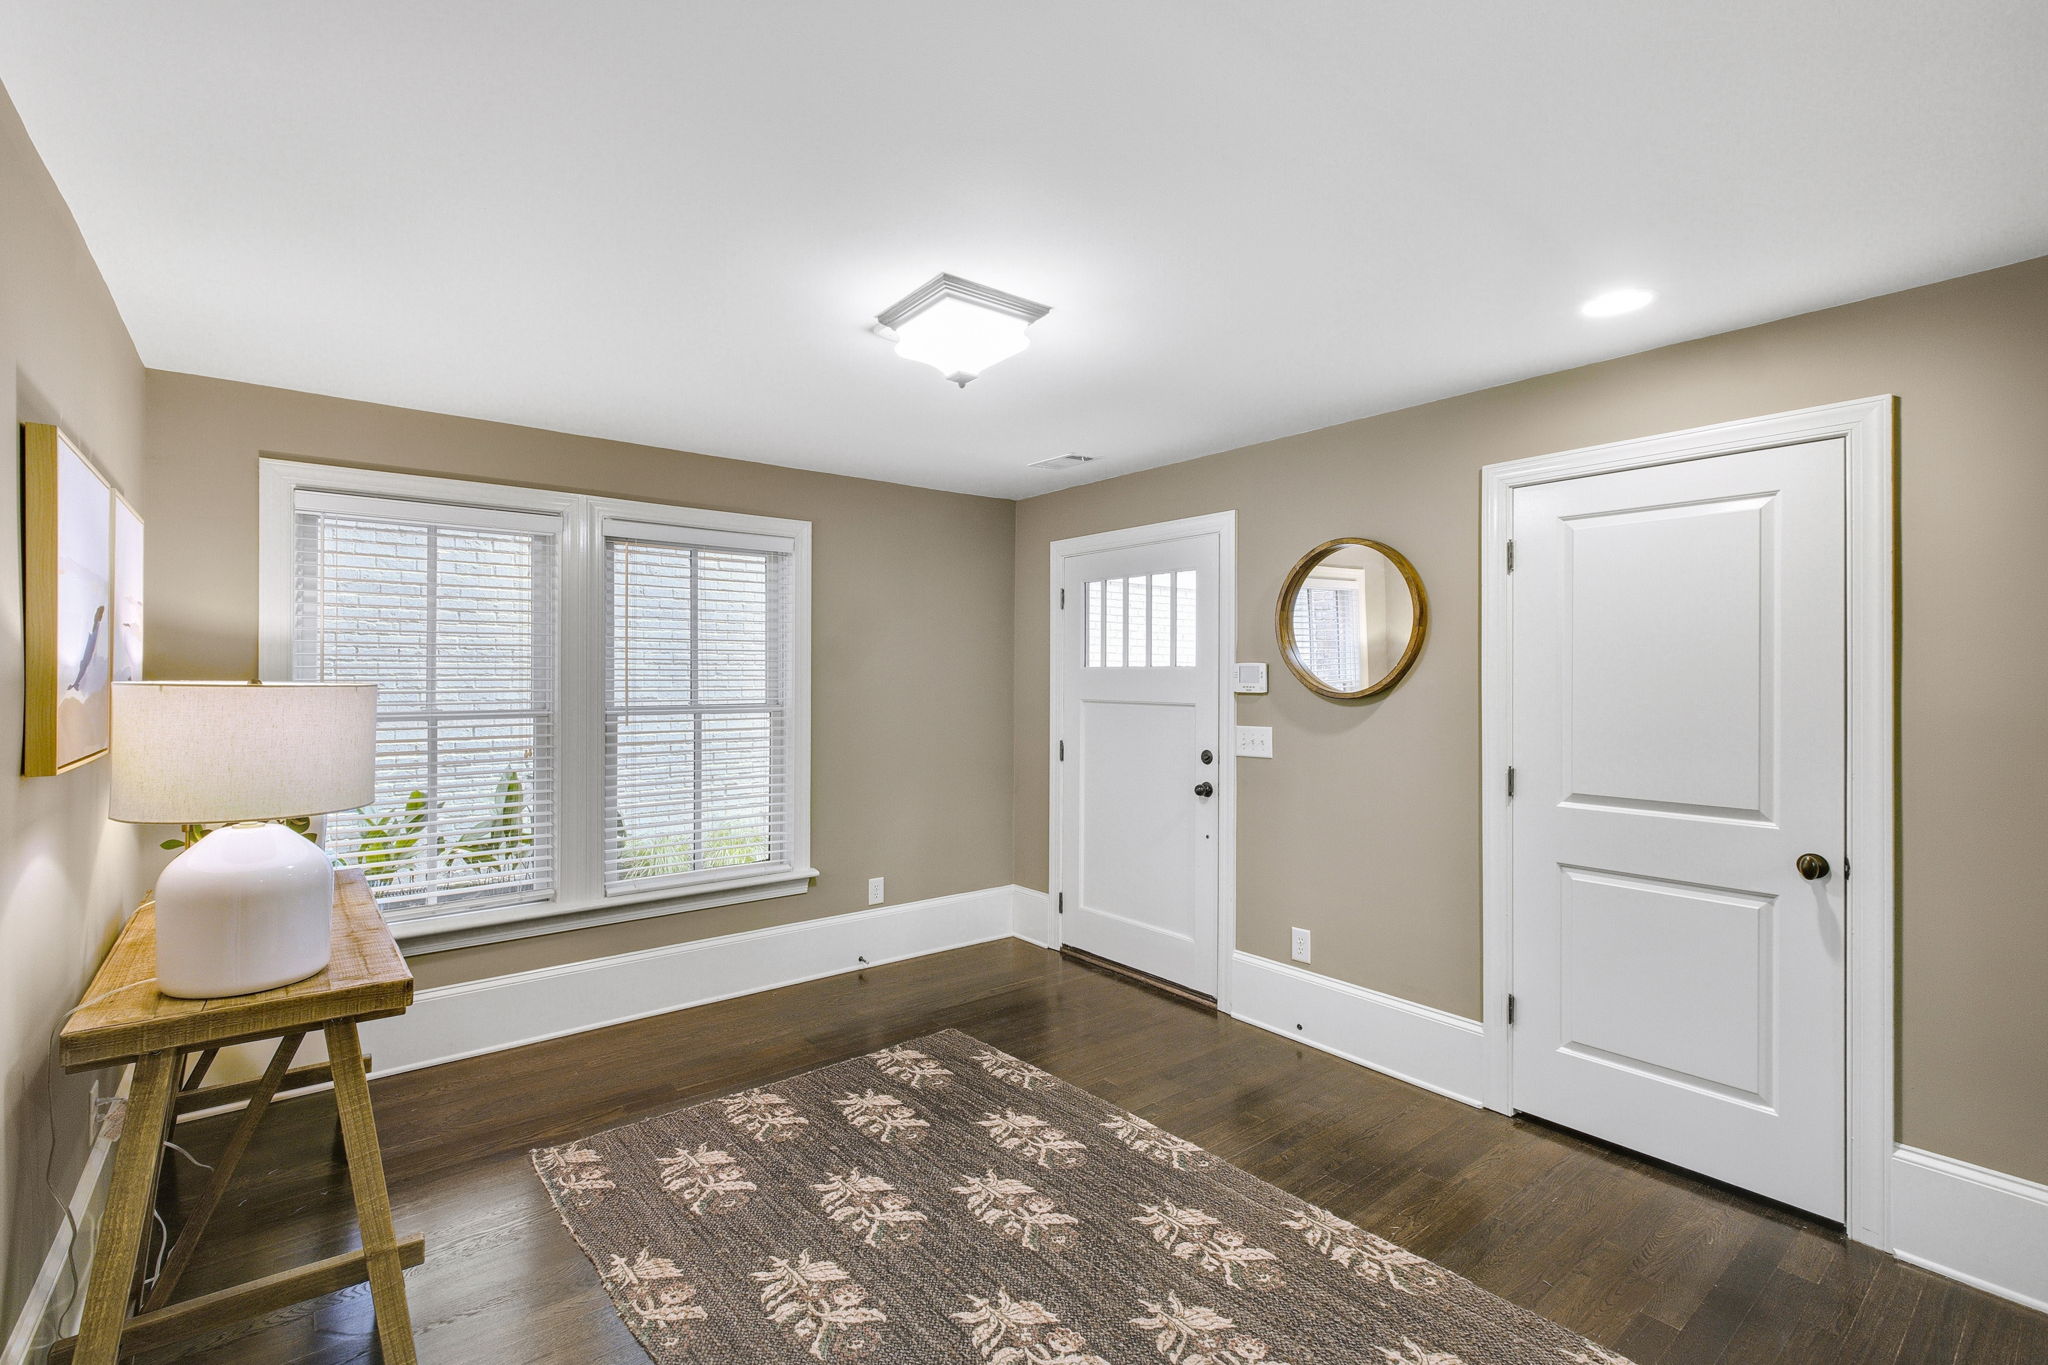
[
  {"x": 1138, "y": 810},
  {"x": 1678, "y": 729}
]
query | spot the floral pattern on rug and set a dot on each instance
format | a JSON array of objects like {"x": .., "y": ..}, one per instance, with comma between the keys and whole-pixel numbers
[
  {"x": 939, "y": 1200},
  {"x": 708, "y": 1179},
  {"x": 822, "y": 1307},
  {"x": 1157, "y": 1144},
  {"x": 1201, "y": 1238},
  {"x": 763, "y": 1116},
  {"x": 1009, "y": 1331},
  {"x": 1019, "y": 1212},
  {"x": 651, "y": 1289},
  {"x": 913, "y": 1068},
  {"x": 870, "y": 1207},
  {"x": 882, "y": 1117},
  {"x": 1032, "y": 1138},
  {"x": 572, "y": 1170},
  {"x": 1367, "y": 1256},
  {"x": 1190, "y": 1334}
]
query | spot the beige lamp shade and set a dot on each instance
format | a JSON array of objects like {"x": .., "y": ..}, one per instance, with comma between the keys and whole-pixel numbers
[{"x": 196, "y": 753}]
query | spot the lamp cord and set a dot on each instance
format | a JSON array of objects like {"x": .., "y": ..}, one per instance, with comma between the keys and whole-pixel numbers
[{"x": 101, "y": 1120}]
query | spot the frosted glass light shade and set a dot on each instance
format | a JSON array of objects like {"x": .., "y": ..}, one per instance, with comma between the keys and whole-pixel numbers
[
  {"x": 961, "y": 339},
  {"x": 192, "y": 753}
]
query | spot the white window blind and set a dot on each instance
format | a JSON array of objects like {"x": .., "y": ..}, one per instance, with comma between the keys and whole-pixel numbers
[
  {"x": 1147, "y": 621},
  {"x": 697, "y": 694},
  {"x": 1328, "y": 630},
  {"x": 451, "y": 612},
  {"x": 589, "y": 709}
]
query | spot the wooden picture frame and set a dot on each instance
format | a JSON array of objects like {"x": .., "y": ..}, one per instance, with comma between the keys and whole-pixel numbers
[
  {"x": 68, "y": 609},
  {"x": 1290, "y": 648},
  {"x": 126, "y": 583}
]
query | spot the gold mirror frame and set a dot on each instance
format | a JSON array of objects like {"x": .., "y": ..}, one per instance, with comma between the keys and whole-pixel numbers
[{"x": 1283, "y": 618}]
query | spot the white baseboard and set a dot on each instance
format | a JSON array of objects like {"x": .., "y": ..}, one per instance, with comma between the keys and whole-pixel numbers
[
  {"x": 42, "y": 1319},
  {"x": 448, "y": 1023},
  {"x": 1031, "y": 916},
  {"x": 1970, "y": 1223},
  {"x": 1399, "y": 1038}
]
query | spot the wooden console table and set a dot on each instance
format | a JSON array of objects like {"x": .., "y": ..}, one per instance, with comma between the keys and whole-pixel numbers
[{"x": 130, "y": 1021}]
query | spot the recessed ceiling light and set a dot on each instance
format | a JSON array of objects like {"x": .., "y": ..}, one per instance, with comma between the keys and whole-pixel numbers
[
  {"x": 1066, "y": 461},
  {"x": 958, "y": 327},
  {"x": 1615, "y": 302}
]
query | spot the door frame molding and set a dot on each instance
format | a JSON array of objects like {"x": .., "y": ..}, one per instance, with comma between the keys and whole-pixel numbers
[
  {"x": 1868, "y": 429},
  {"x": 1224, "y": 526}
]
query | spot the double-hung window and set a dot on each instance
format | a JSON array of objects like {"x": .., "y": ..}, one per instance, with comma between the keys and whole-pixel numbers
[
  {"x": 1330, "y": 625},
  {"x": 589, "y": 709}
]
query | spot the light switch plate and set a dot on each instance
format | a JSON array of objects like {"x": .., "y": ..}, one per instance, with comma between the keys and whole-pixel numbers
[
  {"x": 1249, "y": 680},
  {"x": 1254, "y": 741}
]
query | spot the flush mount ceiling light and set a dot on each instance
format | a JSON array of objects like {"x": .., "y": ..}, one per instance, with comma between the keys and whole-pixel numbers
[
  {"x": 1066, "y": 461},
  {"x": 1615, "y": 302},
  {"x": 958, "y": 327}
]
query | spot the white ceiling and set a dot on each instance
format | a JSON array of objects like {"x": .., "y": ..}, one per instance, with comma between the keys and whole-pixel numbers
[{"x": 672, "y": 222}]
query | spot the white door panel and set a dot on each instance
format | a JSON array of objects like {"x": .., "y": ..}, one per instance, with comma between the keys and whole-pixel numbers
[
  {"x": 1138, "y": 662},
  {"x": 1137, "y": 856},
  {"x": 1665, "y": 705},
  {"x": 1678, "y": 722},
  {"x": 1672, "y": 980}
]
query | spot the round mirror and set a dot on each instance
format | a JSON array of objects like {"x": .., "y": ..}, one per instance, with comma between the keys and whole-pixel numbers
[{"x": 1351, "y": 618}]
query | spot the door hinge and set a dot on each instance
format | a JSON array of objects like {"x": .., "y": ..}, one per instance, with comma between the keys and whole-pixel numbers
[
  {"x": 1060, "y": 902},
  {"x": 1511, "y": 556},
  {"x": 1063, "y": 599},
  {"x": 1511, "y": 1011},
  {"x": 1511, "y": 784},
  {"x": 1063, "y": 751}
]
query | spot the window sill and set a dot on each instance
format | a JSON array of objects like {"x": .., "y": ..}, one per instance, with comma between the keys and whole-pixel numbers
[{"x": 468, "y": 928}]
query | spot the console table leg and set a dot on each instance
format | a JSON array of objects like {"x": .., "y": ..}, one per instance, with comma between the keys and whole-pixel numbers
[
  {"x": 373, "y": 1200},
  {"x": 129, "y": 1206},
  {"x": 194, "y": 1226}
]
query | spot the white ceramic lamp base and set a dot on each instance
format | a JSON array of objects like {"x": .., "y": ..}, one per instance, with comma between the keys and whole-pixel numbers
[{"x": 245, "y": 909}]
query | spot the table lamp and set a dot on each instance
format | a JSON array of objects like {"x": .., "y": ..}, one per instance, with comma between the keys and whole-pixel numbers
[{"x": 246, "y": 907}]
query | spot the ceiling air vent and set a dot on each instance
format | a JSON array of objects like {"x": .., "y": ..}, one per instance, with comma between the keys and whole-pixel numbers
[{"x": 1067, "y": 461}]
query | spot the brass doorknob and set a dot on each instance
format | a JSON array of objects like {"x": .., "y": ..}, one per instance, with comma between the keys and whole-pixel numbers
[{"x": 1812, "y": 866}]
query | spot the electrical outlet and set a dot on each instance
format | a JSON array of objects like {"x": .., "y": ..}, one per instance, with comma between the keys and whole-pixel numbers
[
  {"x": 874, "y": 891},
  {"x": 1254, "y": 741},
  {"x": 1301, "y": 945},
  {"x": 109, "y": 1115}
]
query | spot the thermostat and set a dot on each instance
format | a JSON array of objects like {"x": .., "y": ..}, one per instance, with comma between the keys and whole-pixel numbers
[{"x": 1251, "y": 678}]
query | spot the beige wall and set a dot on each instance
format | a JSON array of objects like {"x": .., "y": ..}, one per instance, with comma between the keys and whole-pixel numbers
[
  {"x": 67, "y": 876},
  {"x": 910, "y": 647},
  {"x": 1365, "y": 827}
]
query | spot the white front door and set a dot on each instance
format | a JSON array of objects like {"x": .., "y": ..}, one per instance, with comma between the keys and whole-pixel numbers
[
  {"x": 1678, "y": 745},
  {"x": 1141, "y": 755}
]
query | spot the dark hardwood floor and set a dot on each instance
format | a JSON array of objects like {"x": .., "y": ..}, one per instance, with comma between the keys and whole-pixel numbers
[{"x": 1662, "y": 1267}]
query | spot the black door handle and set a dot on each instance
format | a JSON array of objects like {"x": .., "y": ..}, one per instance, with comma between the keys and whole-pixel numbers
[{"x": 1204, "y": 789}]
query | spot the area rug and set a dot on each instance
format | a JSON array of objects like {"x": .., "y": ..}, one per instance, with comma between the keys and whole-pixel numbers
[{"x": 940, "y": 1200}]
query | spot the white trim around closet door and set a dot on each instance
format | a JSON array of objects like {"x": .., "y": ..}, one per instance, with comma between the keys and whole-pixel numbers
[{"x": 1867, "y": 429}]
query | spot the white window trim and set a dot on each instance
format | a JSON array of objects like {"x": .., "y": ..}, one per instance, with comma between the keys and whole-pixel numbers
[{"x": 579, "y": 898}]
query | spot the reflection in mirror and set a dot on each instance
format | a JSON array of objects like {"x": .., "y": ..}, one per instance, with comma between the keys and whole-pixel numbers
[{"x": 1352, "y": 618}]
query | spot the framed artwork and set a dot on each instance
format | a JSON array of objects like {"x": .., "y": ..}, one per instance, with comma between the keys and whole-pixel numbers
[
  {"x": 69, "y": 611},
  {"x": 127, "y": 660}
]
